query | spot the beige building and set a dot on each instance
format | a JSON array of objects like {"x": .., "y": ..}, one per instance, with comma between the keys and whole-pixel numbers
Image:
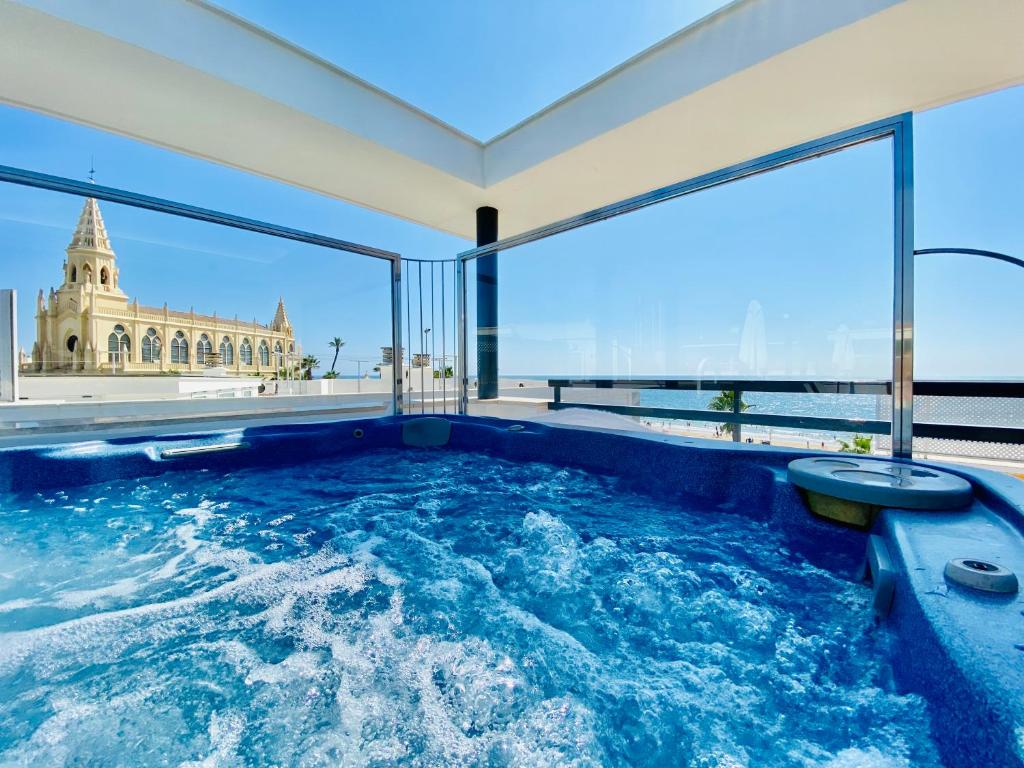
[{"x": 89, "y": 324}]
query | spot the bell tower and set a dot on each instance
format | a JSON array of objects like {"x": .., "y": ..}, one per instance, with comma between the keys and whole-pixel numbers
[
  {"x": 67, "y": 334},
  {"x": 280, "y": 323},
  {"x": 91, "y": 264}
]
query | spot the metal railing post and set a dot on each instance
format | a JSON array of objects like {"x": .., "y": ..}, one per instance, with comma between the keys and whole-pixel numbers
[
  {"x": 397, "y": 382},
  {"x": 419, "y": 303},
  {"x": 9, "y": 341},
  {"x": 736, "y": 428},
  {"x": 461, "y": 375},
  {"x": 903, "y": 289}
]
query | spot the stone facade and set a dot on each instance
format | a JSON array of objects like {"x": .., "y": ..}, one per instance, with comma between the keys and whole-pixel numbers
[{"x": 90, "y": 325}]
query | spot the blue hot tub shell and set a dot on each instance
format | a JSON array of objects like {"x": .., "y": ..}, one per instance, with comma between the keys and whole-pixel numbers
[{"x": 963, "y": 650}]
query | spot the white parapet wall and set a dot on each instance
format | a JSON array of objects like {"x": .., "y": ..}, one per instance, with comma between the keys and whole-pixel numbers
[
  {"x": 28, "y": 416},
  {"x": 134, "y": 386},
  {"x": 127, "y": 387},
  {"x": 68, "y": 388},
  {"x": 73, "y": 388}
]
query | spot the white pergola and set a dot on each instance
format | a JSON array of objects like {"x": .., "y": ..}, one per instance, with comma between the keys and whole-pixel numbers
[
  {"x": 756, "y": 85},
  {"x": 755, "y": 77}
]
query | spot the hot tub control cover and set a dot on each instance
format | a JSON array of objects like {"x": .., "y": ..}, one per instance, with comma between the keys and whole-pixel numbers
[
  {"x": 882, "y": 483},
  {"x": 980, "y": 574}
]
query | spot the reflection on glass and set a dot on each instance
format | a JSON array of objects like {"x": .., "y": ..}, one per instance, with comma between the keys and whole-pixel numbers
[{"x": 783, "y": 276}]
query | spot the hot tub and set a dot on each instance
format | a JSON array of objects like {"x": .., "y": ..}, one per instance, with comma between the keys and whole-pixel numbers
[{"x": 520, "y": 595}]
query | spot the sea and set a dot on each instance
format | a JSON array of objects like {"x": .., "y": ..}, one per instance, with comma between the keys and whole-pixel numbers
[{"x": 1000, "y": 412}]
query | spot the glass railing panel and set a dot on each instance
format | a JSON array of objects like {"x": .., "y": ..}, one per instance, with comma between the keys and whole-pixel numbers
[
  {"x": 784, "y": 276},
  {"x": 127, "y": 315}
]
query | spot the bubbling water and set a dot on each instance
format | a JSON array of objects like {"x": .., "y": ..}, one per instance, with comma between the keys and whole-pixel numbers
[{"x": 429, "y": 609}]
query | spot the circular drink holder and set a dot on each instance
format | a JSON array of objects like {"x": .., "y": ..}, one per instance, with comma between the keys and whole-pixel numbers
[
  {"x": 851, "y": 490},
  {"x": 882, "y": 483},
  {"x": 978, "y": 574}
]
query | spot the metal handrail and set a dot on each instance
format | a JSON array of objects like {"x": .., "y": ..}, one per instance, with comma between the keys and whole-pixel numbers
[
  {"x": 940, "y": 388},
  {"x": 972, "y": 252},
  {"x": 821, "y": 423},
  {"x": 859, "y": 387},
  {"x": 895, "y": 126},
  {"x": 161, "y": 205}
]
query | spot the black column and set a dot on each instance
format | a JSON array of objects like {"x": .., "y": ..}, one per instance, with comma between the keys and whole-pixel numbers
[{"x": 487, "y": 305}]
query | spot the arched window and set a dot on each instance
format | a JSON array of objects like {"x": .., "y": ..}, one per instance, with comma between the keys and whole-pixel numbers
[
  {"x": 291, "y": 349},
  {"x": 227, "y": 351},
  {"x": 203, "y": 348},
  {"x": 264, "y": 353},
  {"x": 104, "y": 276},
  {"x": 74, "y": 274},
  {"x": 179, "y": 348},
  {"x": 245, "y": 352},
  {"x": 119, "y": 345},
  {"x": 72, "y": 343},
  {"x": 151, "y": 347}
]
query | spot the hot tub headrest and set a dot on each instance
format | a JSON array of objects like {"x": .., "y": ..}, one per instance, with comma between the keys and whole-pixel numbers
[{"x": 426, "y": 432}]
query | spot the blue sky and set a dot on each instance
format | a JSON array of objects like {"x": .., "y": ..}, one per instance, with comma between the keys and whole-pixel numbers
[
  {"x": 480, "y": 66},
  {"x": 803, "y": 253}
]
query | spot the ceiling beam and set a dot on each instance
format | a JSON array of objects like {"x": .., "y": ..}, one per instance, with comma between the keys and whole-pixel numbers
[{"x": 756, "y": 77}]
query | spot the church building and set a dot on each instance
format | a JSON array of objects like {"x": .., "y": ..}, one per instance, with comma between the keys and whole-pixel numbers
[{"x": 89, "y": 325}]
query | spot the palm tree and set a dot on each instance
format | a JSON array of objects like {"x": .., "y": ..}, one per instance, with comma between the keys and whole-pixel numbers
[
  {"x": 309, "y": 362},
  {"x": 725, "y": 401},
  {"x": 861, "y": 444},
  {"x": 336, "y": 343}
]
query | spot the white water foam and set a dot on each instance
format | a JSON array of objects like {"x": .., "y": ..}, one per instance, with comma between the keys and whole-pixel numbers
[{"x": 460, "y": 612}]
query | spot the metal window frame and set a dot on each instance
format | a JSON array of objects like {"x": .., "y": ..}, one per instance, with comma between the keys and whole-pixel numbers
[
  {"x": 902, "y": 133},
  {"x": 8, "y": 351},
  {"x": 462, "y": 372},
  {"x": 898, "y": 128},
  {"x": 68, "y": 186}
]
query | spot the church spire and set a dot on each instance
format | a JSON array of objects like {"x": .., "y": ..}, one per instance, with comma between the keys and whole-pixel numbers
[
  {"x": 91, "y": 232},
  {"x": 280, "y": 322}
]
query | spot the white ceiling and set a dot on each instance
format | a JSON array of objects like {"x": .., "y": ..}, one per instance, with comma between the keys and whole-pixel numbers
[{"x": 758, "y": 76}]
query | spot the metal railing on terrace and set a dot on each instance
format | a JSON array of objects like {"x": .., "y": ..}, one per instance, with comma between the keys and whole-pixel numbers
[
  {"x": 909, "y": 415},
  {"x": 979, "y": 433}
]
